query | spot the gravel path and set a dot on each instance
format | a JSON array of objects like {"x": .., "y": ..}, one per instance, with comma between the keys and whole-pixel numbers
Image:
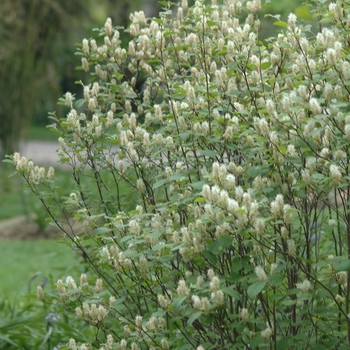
[{"x": 41, "y": 152}]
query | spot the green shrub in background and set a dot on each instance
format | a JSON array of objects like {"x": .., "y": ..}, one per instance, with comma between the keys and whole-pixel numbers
[{"x": 221, "y": 219}]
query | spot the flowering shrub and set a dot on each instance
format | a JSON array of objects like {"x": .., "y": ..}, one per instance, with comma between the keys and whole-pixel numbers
[{"x": 211, "y": 182}]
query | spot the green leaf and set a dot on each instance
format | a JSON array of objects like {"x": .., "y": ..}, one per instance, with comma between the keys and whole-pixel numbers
[
  {"x": 342, "y": 265},
  {"x": 208, "y": 153},
  {"x": 225, "y": 241},
  {"x": 210, "y": 256},
  {"x": 303, "y": 12},
  {"x": 177, "y": 303},
  {"x": 193, "y": 318},
  {"x": 265, "y": 65},
  {"x": 160, "y": 183},
  {"x": 131, "y": 253},
  {"x": 79, "y": 103},
  {"x": 280, "y": 24},
  {"x": 231, "y": 292},
  {"x": 159, "y": 313},
  {"x": 101, "y": 230},
  {"x": 200, "y": 200},
  {"x": 255, "y": 288},
  {"x": 234, "y": 277},
  {"x": 10, "y": 161},
  {"x": 198, "y": 185},
  {"x": 276, "y": 280},
  {"x": 131, "y": 94},
  {"x": 283, "y": 343},
  {"x": 257, "y": 341},
  {"x": 254, "y": 171},
  {"x": 158, "y": 246},
  {"x": 216, "y": 248},
  {"x": 318, "y": 347}
]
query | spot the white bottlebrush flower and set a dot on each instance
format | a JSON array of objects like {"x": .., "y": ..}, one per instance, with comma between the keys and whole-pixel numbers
[
  {"x": 335, "y": 174},
  {"x": 182, "y": 289},
  {"x": 85, "y": 64},
  {"x": 259, "y": 226},
  {"x": 71, "y": 283},
  {"x": 72, "y": 344},
  {"x": 163, "y": 301},
  {"x": 292, "y": 20},
  {"x": 291, "y": 247},
  {"x": 214, "y": 284},
  {"x": 50, "y": 173},
  {"x": 260, "y": 273},
  {"x": 98, "y": 286},
  {"x": 197, "y": 304},
  {"x": 85, "y": 47},
  {"x": 123, "y": 344},
  {"x": 291, "y": 151},
  {"x": 304, "y": 286},
  {"x": 277, "y": 205},
  {"x": 244, "y": 315},
  {"x": 108, "y": 26},
  {"x": 79, "y": 313},
  {"x": 40, "y": 293},
  {"x": 267, "y": 332},
  {"x": 314, "y": 106},
  {"x": 339, "y": 299},
  {"x": 138, "y": 321},
  {"x": 218, "y": 297},
  {"x": 331, "y": 56},
  {"x": 341, "y": 278}
]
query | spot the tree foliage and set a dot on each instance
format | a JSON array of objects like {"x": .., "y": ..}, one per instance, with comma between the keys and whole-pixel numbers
[
  {"x": 217, "y": 210},
  {"x": 36, "y": 59}
]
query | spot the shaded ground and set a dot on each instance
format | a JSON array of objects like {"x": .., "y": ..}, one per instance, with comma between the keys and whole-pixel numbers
[{"x": 23, "y": 228}]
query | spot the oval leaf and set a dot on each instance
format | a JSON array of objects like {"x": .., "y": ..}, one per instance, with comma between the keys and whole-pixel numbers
[
  {"x": 342, "y": 265},
  {"x": 101, "y": 230},
  {"x": 193, "y": 318},
  {"x": 303, "y": 12},
  {"x": 281, "y": 24},
  {"x": 255, "y": 288},
  {"x": 231, "y": 292}
]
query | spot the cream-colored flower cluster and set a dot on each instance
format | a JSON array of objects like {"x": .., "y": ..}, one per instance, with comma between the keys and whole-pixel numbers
[{"x": 33, "y": 173}]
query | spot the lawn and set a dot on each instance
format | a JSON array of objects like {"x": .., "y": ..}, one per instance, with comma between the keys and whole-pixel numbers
[
  {"x": 21, "y": 259},
  {"x": 15, "y": 199},
  {"x": 24, "y": 265},
  {"x": 42, "y": 133},
  {"x": 12, "y": 197}
]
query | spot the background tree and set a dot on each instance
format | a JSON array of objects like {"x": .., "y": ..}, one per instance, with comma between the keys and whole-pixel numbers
[{"x": 36, "y": 61}]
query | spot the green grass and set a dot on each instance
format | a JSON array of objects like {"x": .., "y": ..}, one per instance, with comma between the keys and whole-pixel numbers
[
  {"x": 42, "y": 133},
  {"x": 23, "y": 266},
  {"x": 22, "y": 260},
  {"x": 15, "y": 199}
]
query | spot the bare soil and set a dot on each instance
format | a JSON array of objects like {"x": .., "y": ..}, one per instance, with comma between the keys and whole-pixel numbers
[{"x": 24, "y": 228}]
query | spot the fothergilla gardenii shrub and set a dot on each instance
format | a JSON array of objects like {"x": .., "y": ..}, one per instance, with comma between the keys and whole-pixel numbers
[{"x": 210, "y": 181}]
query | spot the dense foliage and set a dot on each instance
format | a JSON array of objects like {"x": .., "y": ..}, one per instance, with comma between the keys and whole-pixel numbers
[{"x": 221, "y": 218}]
